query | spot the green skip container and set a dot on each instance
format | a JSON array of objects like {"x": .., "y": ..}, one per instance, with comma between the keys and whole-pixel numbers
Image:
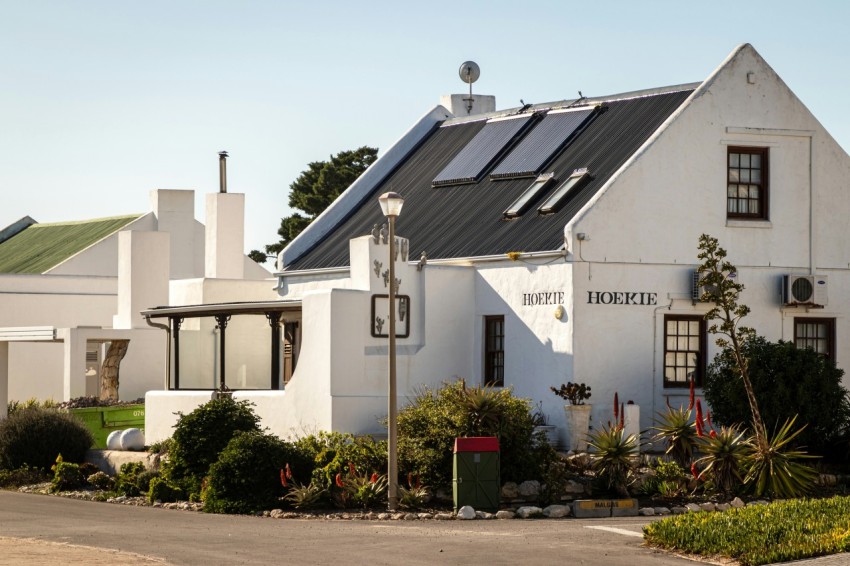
[
  {"x": 475, "y": 479},
  {"x": 103, "y": 420}
]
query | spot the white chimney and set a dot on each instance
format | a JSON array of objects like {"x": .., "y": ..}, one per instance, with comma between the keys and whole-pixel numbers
[
  {"x": 225, "y": 236},
  {"x": 143, "y": 273},
  {"x": 175, "y": 214},
  {"x": 459, "y": 104}
]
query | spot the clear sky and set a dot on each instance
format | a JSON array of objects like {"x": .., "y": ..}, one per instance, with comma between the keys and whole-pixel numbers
[{"x": 103, "y": 100}]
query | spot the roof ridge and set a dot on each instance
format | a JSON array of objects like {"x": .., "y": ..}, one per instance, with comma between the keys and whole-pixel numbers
[{"x": 90, "y": 220}]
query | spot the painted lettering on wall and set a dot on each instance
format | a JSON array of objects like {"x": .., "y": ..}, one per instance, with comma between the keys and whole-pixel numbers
[
  {"x": 543, "y": 298},
  {"x": 621, "y": 298}
]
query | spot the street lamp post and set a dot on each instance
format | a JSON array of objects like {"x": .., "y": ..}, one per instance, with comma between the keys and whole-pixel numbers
[{"x": 391, "y": 204}]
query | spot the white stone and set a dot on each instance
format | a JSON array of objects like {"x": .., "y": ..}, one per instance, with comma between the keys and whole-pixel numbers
[
  {"x": 574, "y": 487},
  {"x": 646, "y": 511},
  {"x": 530, "y": 488},
  {"x": 529, "y": 511},
  {"x": 693, "y": 508},
  {"x": 737, "y": 503},
  {"x": 483, "y": 515},
  {"x": 662, "y": 511},
  {"x": 556, "y": 511},
  {"x": 505, "y": 514},
  {"x": 411, "y": 517},
  {"x": 425, "y": 515},
  {"x": 510, "y": 490},
  {"x": 722, "y": 507},
  {"x": 113, "y": 441},
  {"x": 132, "y": 439},
  {"x": 384, "y": 516},
  {"x": 276, "y": 513},
  {"x": 708, "y": 506},
  {"x": 679, "y": 510},
  {"x": 466, "y": 513},
  {"x": 443, "y": 517}
]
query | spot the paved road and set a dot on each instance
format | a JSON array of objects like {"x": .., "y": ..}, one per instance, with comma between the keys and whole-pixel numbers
[{"x": 181, "y": 537}]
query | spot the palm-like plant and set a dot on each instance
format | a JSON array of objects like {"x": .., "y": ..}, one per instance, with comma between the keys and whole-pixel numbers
[
  {"x": 724, "y": 453},
  {"x": 675, "y": 429},
  {"x": 775, "y": 468},
  {"x": 613, "y": 459}
]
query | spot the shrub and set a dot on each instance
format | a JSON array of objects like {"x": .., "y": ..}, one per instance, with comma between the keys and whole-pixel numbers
[
  {"x": 31, "y": 403},
  {"x": 246, "y": 477},
  {"x": 787, "y": 381},
  {"x": 161, "y": 490},
  {"x": 25, "y": 475},
  {"x": 127, "y": 481},
  {"x": 331, "y": 453},
  {"x": 101, "y": 480},
  {"x": 762, "y": 534},
  {"x": 427, "y": 429},
  {"x": 66, "y": 475},
  {"x": 360, "y": 489},
  {"x": 36, "y": 436},
  {"x": 614, "y": 457},
  {"x": 200, "y": 436}
]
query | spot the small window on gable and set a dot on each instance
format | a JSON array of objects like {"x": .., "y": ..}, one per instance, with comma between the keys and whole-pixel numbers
[
  {"x": 554, "y": 202},
  {"x": 521, "y": 204},
  {"x": 746, "y": 187}
]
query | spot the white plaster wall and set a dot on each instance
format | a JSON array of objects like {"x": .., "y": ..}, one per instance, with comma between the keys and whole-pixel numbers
[
  {"x": 538, "y": 346},
  {"x": 143, "y": 272},
  {"x": 175, "y": 214},
  {"x": 225, "y": 235},
  {"x": 162, "y": 409}
]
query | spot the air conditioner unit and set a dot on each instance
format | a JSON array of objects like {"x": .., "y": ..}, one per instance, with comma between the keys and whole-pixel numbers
[
  {"x": 697, "y": 290},
  {"x": 810, "y": 290}
]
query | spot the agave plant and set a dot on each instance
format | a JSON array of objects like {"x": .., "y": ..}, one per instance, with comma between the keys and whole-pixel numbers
[
  {"x": 614, "y": 456},
  {"x": 775, "y": 467},
  {"x": 305, "y": 496},
  {"x": 675, "y": 429},
  {"x": 724, "y": 453}
]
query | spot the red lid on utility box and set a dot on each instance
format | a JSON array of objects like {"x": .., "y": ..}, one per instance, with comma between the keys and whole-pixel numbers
[{"x": 477, "y": 444}]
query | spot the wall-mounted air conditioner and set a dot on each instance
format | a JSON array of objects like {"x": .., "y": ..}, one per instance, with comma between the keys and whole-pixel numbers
[
  {"x": 697, "y": 290},
  {"x": 809, "y": 290}
]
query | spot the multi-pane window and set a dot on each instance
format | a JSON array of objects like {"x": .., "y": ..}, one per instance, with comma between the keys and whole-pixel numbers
[
  {"x": 684, "y": 349},
  {"x": 746, "y": 189},
  {"x": 817, "y": 334},
  {"x": 494, "y": 350}
]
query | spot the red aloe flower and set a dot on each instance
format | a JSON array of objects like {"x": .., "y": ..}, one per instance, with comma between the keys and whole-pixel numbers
[
  {"x": 699, "y": 416},
  {"x": 712, "y": 434},
  {"x": 708, "y": 418},
  {"x": 338, "y": 481},
  {"x": 410, "y": 480},
  {"x": 694, "y": 471},
  {"x": 418, "y": 483},
  {"x": 351, "y": 469},
  {"x": 691, "y": 395},
  {"x": 374, "y": 478},
  {"x": 616, "y": 406},
  {"x": 283, "y": 478},
  {"x": 288, "y": 472}
]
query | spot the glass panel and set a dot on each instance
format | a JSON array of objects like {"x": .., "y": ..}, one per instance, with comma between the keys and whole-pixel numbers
[
  {"x": 821, "y": 330},
  {"x": 683, "y": 327},
  {"x": 733, "y": 176},
  {"x": 681, "y": 359},
  {"x": 681, "y": 374},
  {"x": 671, "y": 343},
  {"x": 693, "y": 327},
  {"x": 518, "y": 207},
  {"x": 671, "y": 327},
  {"x": 734, "y": 159},
  {"x": 745, "y": 176},
  {"x": 669, "y": 359},
  {"x": 745, "y": 160},
  {"x": 198, "y": 354},
  {"x": 693, "y": 345},
  {"x": 248, "y": 354},
  {"x": 755, "y": 176},
  {"x": 755, "y": 161},
  {"x": 683, "y": 343},
  {"x": 743, "y": 191},
  {"x": 754, "y": 207},
  {"x": 560, "y": 194},
  {"x": 669, "y": 373},
  {"x": 692, "y": 360}
]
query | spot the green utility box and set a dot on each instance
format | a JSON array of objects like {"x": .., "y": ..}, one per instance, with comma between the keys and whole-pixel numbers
[
  {"x": 103, "y": 420},
  {"x": 475, "y": 479}
]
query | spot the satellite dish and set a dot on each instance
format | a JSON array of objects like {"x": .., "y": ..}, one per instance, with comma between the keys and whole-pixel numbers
[{"x": 469, "y": 72}]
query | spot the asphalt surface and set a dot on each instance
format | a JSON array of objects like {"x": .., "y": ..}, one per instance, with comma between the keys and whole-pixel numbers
[
  {"x": 39, "y": 529},
  {"x": 121, "y": 534}
]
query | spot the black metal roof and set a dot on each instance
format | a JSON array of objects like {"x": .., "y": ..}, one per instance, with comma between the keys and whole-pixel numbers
[{"x": 467, "y": 220}]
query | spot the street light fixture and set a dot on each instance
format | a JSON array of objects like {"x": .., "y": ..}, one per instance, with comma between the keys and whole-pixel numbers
[{"x": 391, "y": 204}]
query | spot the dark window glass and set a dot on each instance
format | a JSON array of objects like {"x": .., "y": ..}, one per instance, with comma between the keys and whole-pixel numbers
[
  {"x": 817, "y": 334},
  {"x": 494, "y": 350},
  {"x": 746, "y": 188},
  {"x": 684, "y": 350}
]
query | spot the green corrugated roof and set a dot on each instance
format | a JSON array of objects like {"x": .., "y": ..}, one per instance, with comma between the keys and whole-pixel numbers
[{"x": 42, "y": 246}]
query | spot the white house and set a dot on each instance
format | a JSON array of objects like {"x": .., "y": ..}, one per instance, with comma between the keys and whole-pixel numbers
[
  {"x": 561, "y": 241},
  {"x": 68, "y": 289}
]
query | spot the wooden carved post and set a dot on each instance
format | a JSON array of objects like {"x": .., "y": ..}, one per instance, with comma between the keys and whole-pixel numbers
[{"x": 109, "y": 370}]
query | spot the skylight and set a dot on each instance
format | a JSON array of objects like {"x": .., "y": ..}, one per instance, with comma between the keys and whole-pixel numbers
[
  {"x": 542, "y": 144},
  {"x": 554, "y": 202},
  {"x": 521, "y": 204},
  {"x": 479, "y": 155}
]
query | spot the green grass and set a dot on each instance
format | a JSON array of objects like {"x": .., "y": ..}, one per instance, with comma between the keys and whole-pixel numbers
[{"x": 760, "y": 534}]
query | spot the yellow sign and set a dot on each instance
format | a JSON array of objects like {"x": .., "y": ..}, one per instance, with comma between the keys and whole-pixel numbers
[{"x": 606, "y": 504}]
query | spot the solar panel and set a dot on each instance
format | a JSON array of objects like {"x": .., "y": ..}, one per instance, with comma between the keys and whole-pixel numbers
[
  {"x": 540, "y": 146},
  {"x": 488, "y": 145}
]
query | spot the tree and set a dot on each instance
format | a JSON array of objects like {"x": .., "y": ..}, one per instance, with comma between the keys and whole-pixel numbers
[
  {"x": 314, "y": 190},
  {"x": 718, "y": 277},
  {"x": 786, "y": 380}
]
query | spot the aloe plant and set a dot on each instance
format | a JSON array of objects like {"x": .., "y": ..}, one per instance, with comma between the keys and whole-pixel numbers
[
  {"x": 614, "y": 456},
  {"x": 722, "y": 463},
  {"x": 776, "y": 468}
]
